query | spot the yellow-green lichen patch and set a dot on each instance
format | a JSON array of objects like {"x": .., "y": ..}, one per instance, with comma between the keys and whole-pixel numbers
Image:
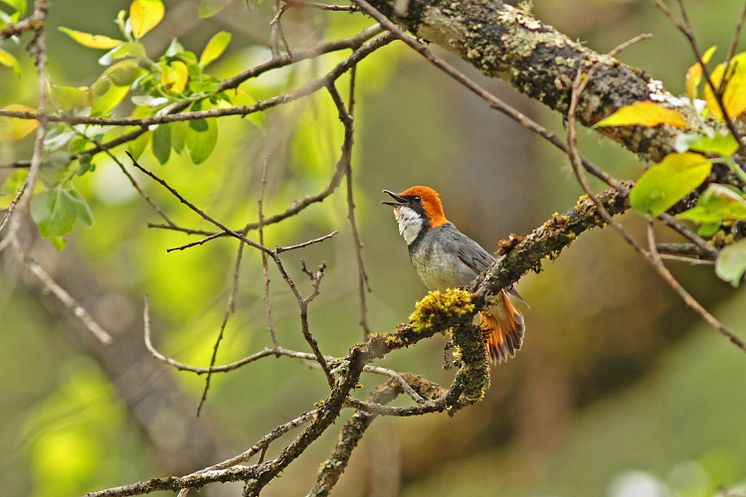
[{"x": 440, "y": 308}]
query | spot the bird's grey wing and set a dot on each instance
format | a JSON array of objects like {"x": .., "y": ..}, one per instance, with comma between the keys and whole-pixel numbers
[
  {"x": 470, "y": 252},
  {"x": 473, "y": 255}
]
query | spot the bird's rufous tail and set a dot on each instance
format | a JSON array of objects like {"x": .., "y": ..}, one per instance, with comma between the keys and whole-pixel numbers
[{"x": 505, "y": 326}]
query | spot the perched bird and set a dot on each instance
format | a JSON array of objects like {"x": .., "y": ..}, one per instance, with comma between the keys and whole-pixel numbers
[{"x": 446, "y": 258}]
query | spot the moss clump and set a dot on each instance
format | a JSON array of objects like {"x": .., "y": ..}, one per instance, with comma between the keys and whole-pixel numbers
[{"x": 441, "y": 308}]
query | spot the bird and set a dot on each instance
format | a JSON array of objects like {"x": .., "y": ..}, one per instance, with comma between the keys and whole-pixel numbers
[{"x": 443, "y": 258}]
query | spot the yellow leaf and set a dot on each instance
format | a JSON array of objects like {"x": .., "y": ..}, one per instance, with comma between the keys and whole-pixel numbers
[
  {"x": 145, "y": 15},
  {"x": 734, "y": 96},
  {"x": 214, "y": 47},
  {"x": 694, "y": 73},
  {"x": 174, "y": 77},
  {"x": 13, "y": 129},
  {"x": 643, "y": 114},
  {"x": 91, "y": 41},
  {"x": 8, "y": 60}
]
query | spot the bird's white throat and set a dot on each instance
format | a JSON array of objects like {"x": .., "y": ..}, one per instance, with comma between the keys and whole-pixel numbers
[{"x": 410, "y": 223}]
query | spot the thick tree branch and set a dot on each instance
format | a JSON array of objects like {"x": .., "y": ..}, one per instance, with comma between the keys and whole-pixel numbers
[{"x": 539, "y": 61}]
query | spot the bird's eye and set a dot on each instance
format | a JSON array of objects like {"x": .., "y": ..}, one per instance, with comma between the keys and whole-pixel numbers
[{"x": 416, "y": 199}]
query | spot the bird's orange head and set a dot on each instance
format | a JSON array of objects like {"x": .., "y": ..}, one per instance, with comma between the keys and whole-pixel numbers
[{"x": 424, "y": 201}]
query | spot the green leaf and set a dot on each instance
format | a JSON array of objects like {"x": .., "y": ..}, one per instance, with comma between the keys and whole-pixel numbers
[
  {"x": 208, "y": 8},
  {"x": 202, "y": 143},
  {"x": 137, "y": 146},
  {"x": 18, "y": 5},
  {"x": 215, "y": 47},
  {"x": 648, "y": 114},
  {"x": 59, "y": 242},
  {"x": 105, "y": 96},
  {"x": 162, "y": 143},
  {"x": 69, "y": 97},
  {"x": 145, "y": 15},
  {"x": 718, "y": 203},
  {"x": 80, "y": 206},
  {"x": 91, "y": 41},
  {"x": 130, "y": 49},
  {"x": 175, "y": 48},
  {"x": 179, "y": 130},
  {"x": 10, "y": 61},
  {"x": 85, "y": 164},
  {"x": 55, "y": 168},
  {"x": 725, "y": 145},
  {"x": 706, "y": 230},
  {"x": 731, "y": 263},
  {"x": 123, "y": 73},
  {"x": 53, "y": 212},
  {"x": 56, "y": 210},
  {"x": 664, "y": 184}
]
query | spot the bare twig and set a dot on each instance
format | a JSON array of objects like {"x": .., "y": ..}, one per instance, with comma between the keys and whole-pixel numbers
[
  {"x": 287, "y": 248},
  {"x": 278, "y": 32},
  {"x": 303, "y": 303},
  {"x": 67, "y": 300},
  {"x": 346, "y": 116},
  {"x": 265, "y": 265},
  {"x": 686, "y": 296},
  {"x": 689, "y": 260},
  {"x": 230, "y": 309},
  {"x": 33, "y": 23},
  {"x": 732, "y": 49},
  {"x": 201, "y": 241},
  {"x": 321, "y": 6}
]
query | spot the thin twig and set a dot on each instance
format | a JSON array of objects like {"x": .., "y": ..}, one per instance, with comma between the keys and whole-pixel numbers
[
  {"x": 303, "y": 303},
  {"x": 732, "y": 49},
  {"x": 265, "y": 261},
  {"x": 67, "y": 300},
  {"x": 287, "y": 248},
  {"x": 321, "y": 6},
  {"x": 686, "y": 296},
  {"x": 230, "y": 309},
  {"x": 347, "y": 117},
  {"x": 689, "y": 260}
]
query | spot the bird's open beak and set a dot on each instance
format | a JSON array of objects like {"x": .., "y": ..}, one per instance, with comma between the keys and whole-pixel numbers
[{"x": 399, "y": 199}]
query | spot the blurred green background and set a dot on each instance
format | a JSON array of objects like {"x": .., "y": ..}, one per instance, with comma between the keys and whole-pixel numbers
[{"x": 619, "y": 389}]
